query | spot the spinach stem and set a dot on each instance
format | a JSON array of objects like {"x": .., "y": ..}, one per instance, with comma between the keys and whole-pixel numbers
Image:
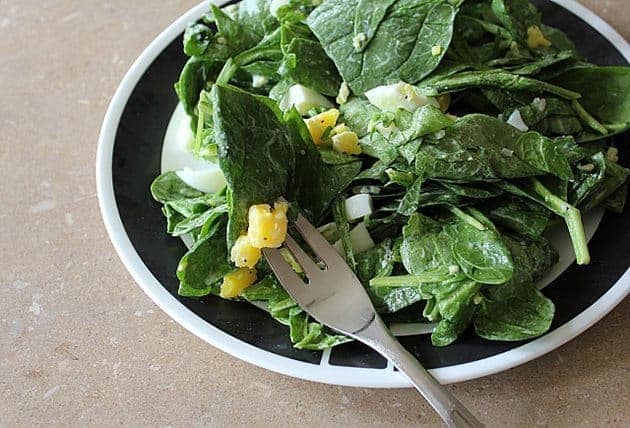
[
  {"x": 438, "y": 275},
  {"x": 233, "y": 64},
  {"x": 498, "y": 79},
  {"x": 588, "y": 118},
  {"x": 339, "y": 213},
  {"x": 572, "y": 217},
  {"x": 468, "y": 218}
]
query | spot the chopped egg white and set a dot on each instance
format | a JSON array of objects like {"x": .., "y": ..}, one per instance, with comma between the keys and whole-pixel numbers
[
  {"x": 208, "y": 180},
  {"x": 516, "y": 120},
  {"x": 360, "y": 238},
  {"x": 303, "y": 99},
  {"x": 259, "y": 81},
  {"x": 358, "y": 206},
  {"x": 401, "y": 95}
]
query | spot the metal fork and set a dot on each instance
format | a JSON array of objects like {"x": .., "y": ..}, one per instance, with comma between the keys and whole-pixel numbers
[{"x": 334, "y": 296}]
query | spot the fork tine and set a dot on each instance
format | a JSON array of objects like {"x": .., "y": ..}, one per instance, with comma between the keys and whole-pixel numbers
[
  {"x": 305, "y": 261},
  {"x": 292, "y": 283},
  {"x": 317, "y": 242}
]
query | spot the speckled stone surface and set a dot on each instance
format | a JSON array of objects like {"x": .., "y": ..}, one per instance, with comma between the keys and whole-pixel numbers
[{"x": 80, "y": 344}]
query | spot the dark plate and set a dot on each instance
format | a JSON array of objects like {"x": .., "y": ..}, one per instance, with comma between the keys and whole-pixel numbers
[{"x": 132, "y": 141}]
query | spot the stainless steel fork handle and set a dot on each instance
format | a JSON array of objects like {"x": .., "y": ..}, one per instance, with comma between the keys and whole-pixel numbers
[{"x": 455, "y": 414}]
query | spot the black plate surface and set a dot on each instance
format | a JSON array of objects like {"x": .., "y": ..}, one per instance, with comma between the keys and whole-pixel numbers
[{"x": 136, "y": 162}]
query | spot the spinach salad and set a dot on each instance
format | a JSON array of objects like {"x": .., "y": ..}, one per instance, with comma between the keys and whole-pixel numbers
[{"x": 434, "y": 142}]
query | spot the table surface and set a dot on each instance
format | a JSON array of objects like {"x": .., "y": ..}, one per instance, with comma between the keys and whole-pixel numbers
[{"x": 80, "y": 343}]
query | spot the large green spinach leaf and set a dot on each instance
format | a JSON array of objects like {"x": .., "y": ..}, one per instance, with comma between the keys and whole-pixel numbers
[
  {"x": 400, "y": 47},
  {"x": 479, "y": 147},
  {"x": 604, "y": 93},
  {"x": 265, "y": 155}
]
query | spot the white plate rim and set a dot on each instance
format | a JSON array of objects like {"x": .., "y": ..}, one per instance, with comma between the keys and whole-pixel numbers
[{"x": 324, "y": 373}]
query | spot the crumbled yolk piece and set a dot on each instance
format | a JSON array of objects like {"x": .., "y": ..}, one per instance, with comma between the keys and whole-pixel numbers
[
  {"x": 234, "y": 283},
  {"x": 340, "y": 129},
  {"x": 535, "y": 38},
  {"x": 317, "y": 125},
  {"x": 436, "y": 50},
  {"x": 347, "y": 142},
  {"x": 244, "y": 254},
  {"x": 267, "y": 227}
]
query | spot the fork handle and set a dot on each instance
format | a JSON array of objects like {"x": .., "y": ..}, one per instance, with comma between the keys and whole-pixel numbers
[{"x": 452, "y": 412}]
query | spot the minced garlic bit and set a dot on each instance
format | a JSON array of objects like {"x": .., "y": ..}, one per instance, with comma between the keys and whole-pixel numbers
[
  {"x": 259, "y": 81},
  {"x": 436, "y": 50},
  {"x": 439, "y": 134},
  {"x": 344, "y": 93},
  {"x": 536, "y": 38},
  {"x": 540, "y": 104},
  {"x": 359, "y": 41},
  {"x": 612, "y": 154}
]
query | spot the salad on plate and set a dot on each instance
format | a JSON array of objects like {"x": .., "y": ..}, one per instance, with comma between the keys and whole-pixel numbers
[{"x": 437, "y": 144}]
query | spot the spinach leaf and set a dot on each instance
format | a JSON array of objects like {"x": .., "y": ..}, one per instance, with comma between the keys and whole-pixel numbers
[
  {"x": 521, "y": 312},
  {"x": 411, "y": 201},
  {"x": 536, "y": 191},
  {"x": 424, "y": 247},
  {"x": 368, "y": 17},
  {"x": 494, "y": 79},
  {"x": 592, "y": 187},
  {"x": 479, "y": 147},
  {"x": 254, "y": 153},
  {"x": 525, "y": 219},
  {"x": 311, "y": 335},
  {"x": 197, "y": 37},
  {"x": 357, "y": 114},
  {"x": 206, "y": 263},
  {"x": 541, "y": 153},
  {"x": 196, "y": 222},
  {"x": 232, "y": 36},
  {"x": 185, "y": 208},
  {"x": 169, "y": 187},
  {"x": 195, "y": 76},
  {"x": 256, "y": 15},
  {"x": 455, "y": 303},
  {"x": 604, "y": 93},
  {"x": 267, "y": 289},
  {"x": 481, "y": 254},
  {"x": 306, "y": 63},
  {"x": 517, "y": 16},
  {"x": 516, "y": 310},
  {"x": 400, "y": 49},
  {"x": 264, "y": 156},
  {"x": 378, "y": 261}
]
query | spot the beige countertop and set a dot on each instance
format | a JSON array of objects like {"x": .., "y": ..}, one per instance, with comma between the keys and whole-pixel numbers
[{"x": 81, "y": 344}]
